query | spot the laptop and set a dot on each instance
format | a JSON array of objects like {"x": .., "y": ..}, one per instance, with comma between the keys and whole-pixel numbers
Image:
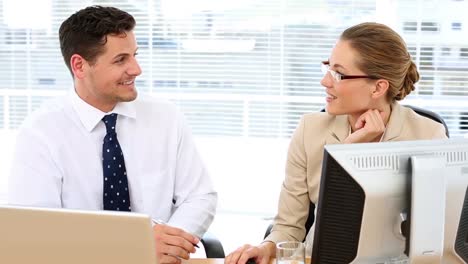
[{"x": 53, "y": 236}]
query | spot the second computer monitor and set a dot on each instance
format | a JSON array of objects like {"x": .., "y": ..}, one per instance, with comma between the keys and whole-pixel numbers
[{"x": 365, "y": 202}]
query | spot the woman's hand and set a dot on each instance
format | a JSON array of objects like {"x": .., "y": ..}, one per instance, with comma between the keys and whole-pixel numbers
[
  {"x": 261, "y": 254},
  {"x": 368, "y": 127}
]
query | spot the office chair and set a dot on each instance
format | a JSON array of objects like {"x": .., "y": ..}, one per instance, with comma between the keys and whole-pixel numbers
[
  {"x": 431, "y": 115},
  {"x": 309, "y": 222},
  {"x": 212, "y": 245},
  {"x": 420, "y": 111}
]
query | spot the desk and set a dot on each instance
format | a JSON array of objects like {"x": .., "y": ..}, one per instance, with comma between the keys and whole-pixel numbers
[
  {"x": 204, "y": 261},
  {"x": 219, "y": 261}
]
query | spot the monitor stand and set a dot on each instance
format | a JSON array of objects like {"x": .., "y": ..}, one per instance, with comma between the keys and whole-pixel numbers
[{"x": 427, "y": 213}]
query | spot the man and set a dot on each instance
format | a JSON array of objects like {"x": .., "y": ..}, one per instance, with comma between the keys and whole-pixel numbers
[{"x": 101, "y": 147}]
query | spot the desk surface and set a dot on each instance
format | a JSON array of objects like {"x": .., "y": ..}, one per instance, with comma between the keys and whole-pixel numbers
[
  {"x": 219, "y": 261},
  {"x": 204, "y": 261}
]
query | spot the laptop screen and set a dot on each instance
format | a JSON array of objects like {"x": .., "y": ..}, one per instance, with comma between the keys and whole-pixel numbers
[{"x": 43, "y": 235}]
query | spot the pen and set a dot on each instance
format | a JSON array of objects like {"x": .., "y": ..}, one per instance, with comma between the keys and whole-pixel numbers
[{"x": 161, "y": 222}]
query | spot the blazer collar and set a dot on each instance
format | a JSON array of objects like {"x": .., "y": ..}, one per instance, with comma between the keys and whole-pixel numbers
[
  {"x": 395, "y": 123},
  {"x": 339, "y": 128}
]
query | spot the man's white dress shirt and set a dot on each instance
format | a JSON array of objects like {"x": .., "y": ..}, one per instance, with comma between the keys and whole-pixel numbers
[{"x": 58, "y": 161}]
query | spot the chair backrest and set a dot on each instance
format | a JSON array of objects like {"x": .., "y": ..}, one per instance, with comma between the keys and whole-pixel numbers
[
  {"x": 431, "y": 115},
  {"x": 212, "y": 245},
  {"x": 426, "y": 113}
]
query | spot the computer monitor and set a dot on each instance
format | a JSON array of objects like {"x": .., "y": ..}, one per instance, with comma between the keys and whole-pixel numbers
[{"x": 367, "y": 197}]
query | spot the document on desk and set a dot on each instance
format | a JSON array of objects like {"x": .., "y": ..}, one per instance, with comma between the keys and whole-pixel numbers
[{"x": 53, "y": 236}]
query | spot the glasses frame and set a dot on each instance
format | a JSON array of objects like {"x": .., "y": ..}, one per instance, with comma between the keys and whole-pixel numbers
[{"x": 337, "y": 77}]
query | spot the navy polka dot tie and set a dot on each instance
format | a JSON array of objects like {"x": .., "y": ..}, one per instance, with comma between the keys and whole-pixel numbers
[{"x": 116, "y": 194}]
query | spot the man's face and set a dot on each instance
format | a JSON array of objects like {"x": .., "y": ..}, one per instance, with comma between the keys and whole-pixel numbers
[{"x": 111, "y": 79}]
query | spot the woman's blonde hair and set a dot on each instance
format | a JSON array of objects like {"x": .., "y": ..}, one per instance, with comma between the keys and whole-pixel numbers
[{"x": 383, "y": 55}]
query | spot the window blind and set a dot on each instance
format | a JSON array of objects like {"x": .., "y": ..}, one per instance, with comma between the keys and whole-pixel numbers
[
  {"x": 249, "y": 68},
  {"x": 239, "y": 70}
]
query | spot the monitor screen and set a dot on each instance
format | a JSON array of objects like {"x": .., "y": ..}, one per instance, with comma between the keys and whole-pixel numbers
[{"x": 368, "y": 197}]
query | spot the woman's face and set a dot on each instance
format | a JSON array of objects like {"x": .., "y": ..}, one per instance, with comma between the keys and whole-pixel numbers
[{"x": 347, "y": 96}]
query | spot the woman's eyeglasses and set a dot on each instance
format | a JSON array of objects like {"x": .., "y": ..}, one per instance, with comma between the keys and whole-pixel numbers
[{"x": 337, "y": 77}]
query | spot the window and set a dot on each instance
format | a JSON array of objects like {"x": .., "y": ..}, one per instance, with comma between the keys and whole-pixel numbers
[
  {"x": 464, "y": 121},
  {"x": 445, "y": 51},
  {"x": 410, "y": 26},
  {"x": 243, "y": 73},
  {"x": 2, "y": 114},
  {"x": 464, "y": 53},
  {"x": 456, "y": 26},
  {"x": 426, "y": 58},
  {"x": 430, "y": 26}
]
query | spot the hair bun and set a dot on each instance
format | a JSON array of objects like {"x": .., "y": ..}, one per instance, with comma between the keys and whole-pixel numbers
[{"x": 411, "y": 78}]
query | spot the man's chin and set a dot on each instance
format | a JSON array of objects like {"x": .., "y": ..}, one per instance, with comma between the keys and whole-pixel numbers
[{"x": 129, "y": 97}]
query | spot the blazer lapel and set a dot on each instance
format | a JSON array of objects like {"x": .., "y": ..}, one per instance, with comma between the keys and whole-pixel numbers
[
  {"x": 339, "y": 130},
  {"x": 395, "y": 123}
]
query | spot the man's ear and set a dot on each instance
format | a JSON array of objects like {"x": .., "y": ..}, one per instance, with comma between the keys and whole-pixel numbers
[
  {"x": 380, "y": 88},
  {"x": 78, "y": 66}
]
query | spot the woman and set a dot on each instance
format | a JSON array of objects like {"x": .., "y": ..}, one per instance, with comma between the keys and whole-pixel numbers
[{"x": 369, "y": 70}]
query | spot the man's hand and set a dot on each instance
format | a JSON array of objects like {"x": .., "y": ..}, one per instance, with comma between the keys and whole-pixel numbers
[
  {"x": 173, "y": 244},
  {"x": 368, "y": 127}
]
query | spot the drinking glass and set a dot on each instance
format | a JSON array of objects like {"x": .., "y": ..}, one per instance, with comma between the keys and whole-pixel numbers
[{"x": 290, "y": 252}]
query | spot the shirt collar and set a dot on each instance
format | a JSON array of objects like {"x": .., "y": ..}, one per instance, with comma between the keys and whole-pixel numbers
[{"x": 91, "y": 116}]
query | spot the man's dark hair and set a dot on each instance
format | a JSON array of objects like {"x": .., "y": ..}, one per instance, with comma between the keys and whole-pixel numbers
[{"x": 85, "y": 32}]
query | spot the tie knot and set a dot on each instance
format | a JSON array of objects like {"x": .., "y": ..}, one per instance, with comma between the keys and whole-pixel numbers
[{"x": 109, "y": 121}]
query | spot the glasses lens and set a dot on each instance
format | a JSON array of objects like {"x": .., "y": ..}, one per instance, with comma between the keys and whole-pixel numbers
[
  {"x": 324, "y": 68},
  {"x": 336, "y": 76}
]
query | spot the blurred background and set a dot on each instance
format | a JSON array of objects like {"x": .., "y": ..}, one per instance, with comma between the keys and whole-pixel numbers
[{"x": 242, "y": 72}]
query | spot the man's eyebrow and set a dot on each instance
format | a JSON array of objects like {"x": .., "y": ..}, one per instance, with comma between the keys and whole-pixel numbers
[{"x": 123, "y": 54}]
